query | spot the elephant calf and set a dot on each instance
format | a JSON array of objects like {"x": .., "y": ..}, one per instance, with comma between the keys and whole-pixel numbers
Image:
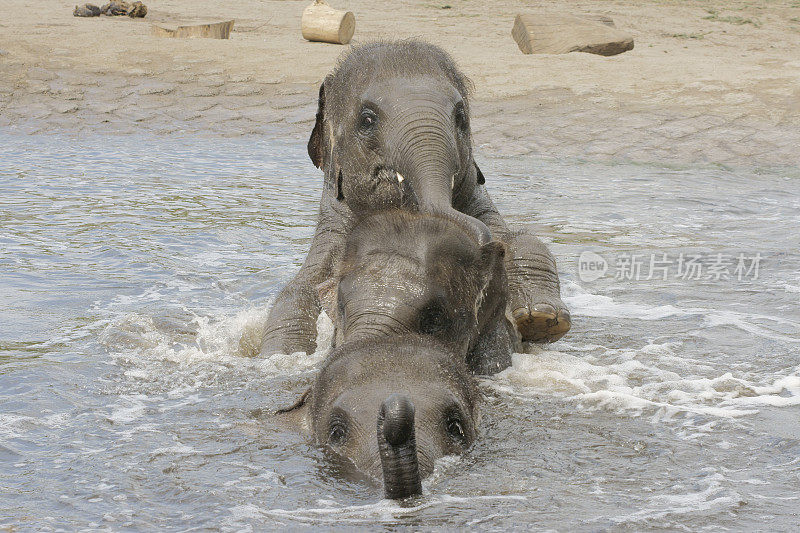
[
  {"x": 426, "y": 274},
  {"x": 419, "y": 396},
  {"x": 393, "y": 130},
  {"x": 418, "y": 302}
]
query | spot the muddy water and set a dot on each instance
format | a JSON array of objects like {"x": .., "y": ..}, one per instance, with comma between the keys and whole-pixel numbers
[{"x": 136, "y": 272}]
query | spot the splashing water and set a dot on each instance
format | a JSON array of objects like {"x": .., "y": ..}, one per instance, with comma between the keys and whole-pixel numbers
[{"x": 137, "y": 273}]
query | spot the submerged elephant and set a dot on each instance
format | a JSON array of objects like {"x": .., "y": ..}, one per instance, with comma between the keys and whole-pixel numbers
[
  {"x": 393, "y": 130},
  {"x": 392, "y": 407},
  {"x": 414, "y": 273}
]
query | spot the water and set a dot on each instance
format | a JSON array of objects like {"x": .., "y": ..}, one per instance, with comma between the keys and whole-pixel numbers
[{"x": 136, "y": 273}]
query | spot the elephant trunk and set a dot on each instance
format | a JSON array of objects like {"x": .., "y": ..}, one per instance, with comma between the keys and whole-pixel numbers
[
  {"x": 426, "y": 155},
  {"x": 479, "y": 230},
  {"x": 398, "y": 448}
]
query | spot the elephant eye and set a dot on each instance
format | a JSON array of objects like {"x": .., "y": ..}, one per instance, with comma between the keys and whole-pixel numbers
[
  {"x": 433, "y": 319},
  {"x": 337, "y": 427},
  {"x": 367, "y": 120},
  {"x": 455, "y": 429},
  {"x": 337, "y": 432}
]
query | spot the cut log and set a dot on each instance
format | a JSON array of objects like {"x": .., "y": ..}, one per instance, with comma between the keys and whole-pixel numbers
[
  {"x": 212, "y": 30},
  {"x": 321, "y": 22},
  {"x": 560, "y": 34}
]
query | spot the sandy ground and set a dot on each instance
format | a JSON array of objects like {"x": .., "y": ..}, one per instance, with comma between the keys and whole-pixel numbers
[{"x": 708, "y": 82}]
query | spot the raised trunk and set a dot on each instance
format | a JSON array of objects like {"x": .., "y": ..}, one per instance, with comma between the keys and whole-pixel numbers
[{"x": 398, "y": 448}]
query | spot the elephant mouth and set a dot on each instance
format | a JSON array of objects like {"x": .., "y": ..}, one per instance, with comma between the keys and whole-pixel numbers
[
  {"x": 386, "y": 175},
  {"x": 382, "y": 173}
]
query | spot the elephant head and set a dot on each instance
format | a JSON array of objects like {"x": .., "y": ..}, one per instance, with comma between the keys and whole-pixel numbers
[
  {"x": 392, "y": 407},
  {"x": 404, "y": 273},
  {"x": 392, "y": 130}
]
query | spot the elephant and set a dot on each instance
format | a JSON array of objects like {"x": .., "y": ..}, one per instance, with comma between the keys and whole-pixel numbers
[
  {"x": 392, "y": 130},
  {"x": 391, "y": 407},
  {"x": 416, "y": 273}
]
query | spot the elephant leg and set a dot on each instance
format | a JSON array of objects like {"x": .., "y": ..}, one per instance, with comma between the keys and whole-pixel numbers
[
  {"x": 534, "y": 299},
  {"x": 292, "y": 321}
]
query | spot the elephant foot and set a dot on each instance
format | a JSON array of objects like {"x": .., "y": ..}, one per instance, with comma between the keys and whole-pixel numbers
[
  {"x": 542, "y": 322},
  {"x": 272, "y": 345}
]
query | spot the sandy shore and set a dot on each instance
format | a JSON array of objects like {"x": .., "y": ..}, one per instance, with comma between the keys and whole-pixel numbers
[{"x": 711, "y": 82}]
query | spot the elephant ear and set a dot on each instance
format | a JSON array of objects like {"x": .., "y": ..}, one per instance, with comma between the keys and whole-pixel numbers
[
  {"x": 296, "y": 416},
  {"x": 298, "y": 403},
  {"x": 316, "y": 143},
  {"x": 481, "y": 179},
  {"x": 318, "y": 147}
]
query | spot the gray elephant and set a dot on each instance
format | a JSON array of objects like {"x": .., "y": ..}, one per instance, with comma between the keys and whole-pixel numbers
[
  {"x": 392, "y": 130},
  {"x": 418, "y": 395},
  {"x": 403, "y": 273}
]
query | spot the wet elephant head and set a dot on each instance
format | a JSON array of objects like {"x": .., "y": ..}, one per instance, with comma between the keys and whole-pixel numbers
[
  {"x": 392, "y": 130},
  {"x": 405, "y": 272},
  {"x": 392, "y": 407}
]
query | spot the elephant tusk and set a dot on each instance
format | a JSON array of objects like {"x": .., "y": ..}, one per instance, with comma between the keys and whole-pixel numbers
[
  {"x": 400, "y": 177},
  {"x": 452, "y": 182}
]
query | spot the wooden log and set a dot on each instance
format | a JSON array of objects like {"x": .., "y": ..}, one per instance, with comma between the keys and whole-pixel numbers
[
  {"x": 212, "y": 30},
  {"x": 320, "y": 22},
  {"x": 560, "y": 34}
]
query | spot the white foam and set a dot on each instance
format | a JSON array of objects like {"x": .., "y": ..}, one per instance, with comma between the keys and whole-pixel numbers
[
  {"x": 713, "y": 498},
  {"x": 626, "y": 381},
  {"x": 783, "y": 392},
  {"x": 129, "y": 408},
  {"x": 595, "y": 305},
  {"x": 744, "y": 322},
  {"x": 13, "y": 425},
  {"x": 584, "y": 303},
  {"x": 330, "y": 512},
  {"x": 655, "y": 379},
  {"x": 222, "y": 339}
]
